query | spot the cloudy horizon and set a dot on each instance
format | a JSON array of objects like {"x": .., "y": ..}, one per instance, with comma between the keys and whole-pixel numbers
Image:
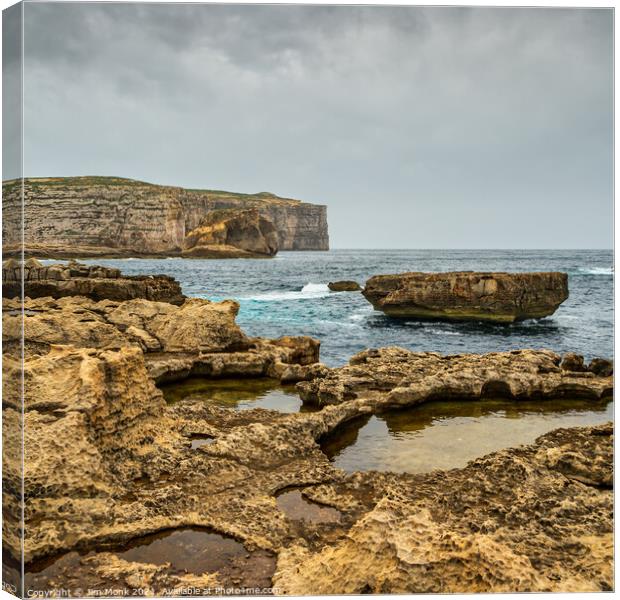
[{"x": 419, "y": 127}]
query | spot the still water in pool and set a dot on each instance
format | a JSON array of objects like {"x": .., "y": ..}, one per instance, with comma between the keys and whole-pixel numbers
[
  {"x": 238, "y": 394},
  {"x": 193, "y": 549},
  {"x": 446, "y": 435}
]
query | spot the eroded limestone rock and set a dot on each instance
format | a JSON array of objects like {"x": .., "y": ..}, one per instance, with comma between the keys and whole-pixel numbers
[
  {"x": 108, "y": 461},
  {"x": 197, "y": 338},
  {"x": 467, "y": 295},
  {"x": 601, "y": 366},
  {"x": 94, "y": 282},
  {"x": 510, "y": 521},
  {"x": 232, "y": 233},
  {"x": 68, "y": 217},
  {"x": 399, "y": 377}
]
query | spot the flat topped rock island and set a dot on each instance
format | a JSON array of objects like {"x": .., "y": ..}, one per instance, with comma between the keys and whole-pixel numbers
[{"x": 468, "y": 295}]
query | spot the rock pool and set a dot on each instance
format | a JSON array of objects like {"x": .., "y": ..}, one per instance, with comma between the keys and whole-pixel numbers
[
  {"x": 238, "y": 394},
  {"x": 447, "y": 435}
]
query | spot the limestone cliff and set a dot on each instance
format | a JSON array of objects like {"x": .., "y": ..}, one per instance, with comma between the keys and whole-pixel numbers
[
  {"x": 232, "y": 233},
  {"x": 110, "y": 216}
]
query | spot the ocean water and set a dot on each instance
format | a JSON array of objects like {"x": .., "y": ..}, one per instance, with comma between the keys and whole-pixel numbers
[{"x": 288, "y": 295}]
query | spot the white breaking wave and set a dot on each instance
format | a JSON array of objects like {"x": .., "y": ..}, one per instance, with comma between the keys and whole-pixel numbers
[
  {"x": 361, "y": 315},
  {"x": 310, "y": 290},
  {"x": 443, "y": 332},
  {"x": 596, "y": 270},
  {"x": 314, "y": 288}
]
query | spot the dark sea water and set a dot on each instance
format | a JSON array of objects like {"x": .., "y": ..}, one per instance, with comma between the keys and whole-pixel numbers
[{"x": 288, "y": 295}]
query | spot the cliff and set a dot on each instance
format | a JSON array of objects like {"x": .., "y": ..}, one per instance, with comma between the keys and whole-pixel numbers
[
  {"x": 111, "y": 216},
  {"x": 232, "y": 233}
]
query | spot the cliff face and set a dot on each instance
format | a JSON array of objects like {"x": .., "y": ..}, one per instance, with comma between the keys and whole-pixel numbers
[
  {"x": 232, "y": 232},
  {"x": 96, "y": 216}
]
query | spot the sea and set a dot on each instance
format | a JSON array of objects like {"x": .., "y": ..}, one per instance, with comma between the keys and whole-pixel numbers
[{"x": 288, "y": 295}]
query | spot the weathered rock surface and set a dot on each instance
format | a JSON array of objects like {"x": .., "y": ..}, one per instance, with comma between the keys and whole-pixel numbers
[
  {"x": 396, "y": 377},
  {"x": 467, "y": 295},
  {"x": 197, "y": 338},
  {"x": 232, "y": 233},
  {"x": 344, "y": 286},
  {"x": 507, "y": 522},
  {"x": 601, "y": 366},
  {"x": 108, "y": 461},
  {"x": 76, "y": 279},
  {"x": 108, "y": 216},
  {"x": 573, "y": 362},
  {"x": 576, "y": 364}
]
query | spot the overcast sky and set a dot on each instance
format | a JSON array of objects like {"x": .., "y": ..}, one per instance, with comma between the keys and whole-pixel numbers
[{"x": 418, "y": 127}]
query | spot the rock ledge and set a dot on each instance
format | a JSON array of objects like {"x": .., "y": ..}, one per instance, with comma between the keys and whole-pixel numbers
[{"x": 95, "y": 282}]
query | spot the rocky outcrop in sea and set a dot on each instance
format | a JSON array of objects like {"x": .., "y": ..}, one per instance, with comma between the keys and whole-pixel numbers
[
  {"x": 344, "y": 286},
  {"x": 468, "y": 295}
]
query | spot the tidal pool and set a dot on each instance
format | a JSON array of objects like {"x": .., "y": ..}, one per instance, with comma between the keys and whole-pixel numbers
[
  {"x": 238, "y": 394},
  {"x": 298, "y": 508},
  {"x": 199, "y": 440},
  {"x": 447, "y": 435},
  {"x": 193, "y": 550},
  {"x": 196, "y": 550}
]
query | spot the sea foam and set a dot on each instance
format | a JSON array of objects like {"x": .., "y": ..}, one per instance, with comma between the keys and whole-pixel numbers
[
  {"x": 596, "y": 270},
  {"x": 310, "y": 290}
]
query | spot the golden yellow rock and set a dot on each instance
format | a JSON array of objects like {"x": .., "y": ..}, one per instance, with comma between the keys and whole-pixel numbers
[
  {"x": 232, "y": 233},
  {"x": 468, "y": 295}
]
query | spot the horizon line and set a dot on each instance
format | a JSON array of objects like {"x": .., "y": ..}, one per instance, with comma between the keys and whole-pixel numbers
[{"x": 447, "y": 248}]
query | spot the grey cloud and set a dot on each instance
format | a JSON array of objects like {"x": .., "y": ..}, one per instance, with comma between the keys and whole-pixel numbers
[
  {"x": 11, "y": 92},
  {"x": 419, "y": 127}
]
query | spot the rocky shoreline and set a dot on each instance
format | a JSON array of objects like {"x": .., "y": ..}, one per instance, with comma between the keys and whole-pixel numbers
[
  {"x": 109, "y": 462},
  {"x": 76, "y": 279}
]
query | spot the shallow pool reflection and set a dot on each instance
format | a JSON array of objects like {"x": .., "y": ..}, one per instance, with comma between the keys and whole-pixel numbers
[
  {"x": 445, "y": 435},
  {"x": 238, "y": 394}
]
